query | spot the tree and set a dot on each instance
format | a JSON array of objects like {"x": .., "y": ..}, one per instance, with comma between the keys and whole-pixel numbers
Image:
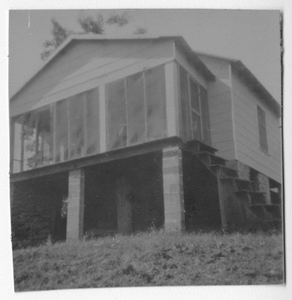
[
  {"x": 140, "y": 30},
  {"x": 59, "y": 35},
  {"x": 88, "y": 24}
]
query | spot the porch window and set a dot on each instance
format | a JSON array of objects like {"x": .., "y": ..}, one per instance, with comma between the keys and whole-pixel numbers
[
  {"x": 195, "y": 111},
  {"x": 30, "y": 157},
  {"x": 61, "y": 144},
  {"x": 76, "y": 127},
  {"x": 92, "y": 121},
  {"x": 17, "y": 142},
  {"x": 262, "y": 129},
  {"x": 44, "y": 136}
]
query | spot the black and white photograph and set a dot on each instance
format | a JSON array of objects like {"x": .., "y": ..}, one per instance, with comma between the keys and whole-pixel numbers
[{"x": 146, "y": 148}]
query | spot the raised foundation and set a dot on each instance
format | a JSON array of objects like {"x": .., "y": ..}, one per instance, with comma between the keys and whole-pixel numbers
[
  {"x": 124, "y": 206},
  {"x": 75, "y": 214},
  {"x": 174, "y": 212}
]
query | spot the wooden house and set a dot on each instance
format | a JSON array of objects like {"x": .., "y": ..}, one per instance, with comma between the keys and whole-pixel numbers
[{"x": 123, "y": 134}]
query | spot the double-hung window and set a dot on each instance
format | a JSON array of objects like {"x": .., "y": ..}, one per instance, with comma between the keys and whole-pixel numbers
[{"x": 262, "y": 129}]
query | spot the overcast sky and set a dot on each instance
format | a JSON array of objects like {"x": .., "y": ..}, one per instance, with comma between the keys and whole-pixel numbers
[{"x": 251, "y": 36}]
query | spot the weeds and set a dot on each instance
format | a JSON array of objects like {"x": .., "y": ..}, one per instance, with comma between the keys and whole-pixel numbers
[{"x": 151, "y": 259}]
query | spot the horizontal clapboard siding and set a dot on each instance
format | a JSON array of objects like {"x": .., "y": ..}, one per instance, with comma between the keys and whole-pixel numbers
[
  {"x": 247, "y": 132},
  {"x": 88, "y": 64}
]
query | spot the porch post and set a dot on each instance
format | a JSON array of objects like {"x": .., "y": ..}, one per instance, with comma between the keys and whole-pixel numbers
[
  {"x": 174, "y": 212},
  {"x": 75, "y": 214}
]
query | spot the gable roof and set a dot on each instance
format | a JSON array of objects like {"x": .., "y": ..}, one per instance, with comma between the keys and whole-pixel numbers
[
  {"x": 179, "y": 41},
  {"x": 253, "y": 83}
]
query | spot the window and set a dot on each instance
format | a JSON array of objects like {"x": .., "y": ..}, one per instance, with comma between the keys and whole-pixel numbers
[
  {"x": 30, "y": 158},
  {"x": 17, "y": 143},
  {"x": 194, "y": 110},
  {"x": 262, "y": 130},
  {"x": 136, "y": 108},
  {"x": 44, "y": 136},
  {"x": 61, "y": 134},
  {"x": 76, "y": 127}
]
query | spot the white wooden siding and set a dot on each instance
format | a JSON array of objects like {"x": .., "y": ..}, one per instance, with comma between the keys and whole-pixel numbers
[
  {"x": 220, "y": 107},
  {"x": 221, "y": 119},
  {"x": 247, "y": 132},
  {"x": 88, "y": 64}
]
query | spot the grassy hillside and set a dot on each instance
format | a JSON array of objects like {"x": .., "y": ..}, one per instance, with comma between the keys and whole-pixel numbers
[{"x": 151, "y": 259}]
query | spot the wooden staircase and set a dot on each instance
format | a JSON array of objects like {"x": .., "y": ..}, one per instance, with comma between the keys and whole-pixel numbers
[{"x": 241, "y": 205}]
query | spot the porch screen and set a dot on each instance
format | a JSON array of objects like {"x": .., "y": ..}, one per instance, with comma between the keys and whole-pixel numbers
[
  {"x": 116, "y": 115},
  {"x": 205, "y": 116},
  {"x": 156, "y": 103},
  {"x": 76, "y": 114},
  {"x": 17, "y": 141},
  {"x": 92, "y": 121},
  {"x": 135, "y": 108},
  {"x": 45, "y": 135},
  {"x": 61, "y": 146},
  {"x": 196, "y": 111},
  {"x": 185, "y": 122},
  {"x": 30, "y": 159}
]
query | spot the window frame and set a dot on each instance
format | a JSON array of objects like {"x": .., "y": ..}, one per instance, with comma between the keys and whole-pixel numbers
[
  {"x": 262, "y": 129},
  {"x": 193, "y": 110}
]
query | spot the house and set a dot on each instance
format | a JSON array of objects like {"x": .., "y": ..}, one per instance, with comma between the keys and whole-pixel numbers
[{"x": 122, "y": 134}]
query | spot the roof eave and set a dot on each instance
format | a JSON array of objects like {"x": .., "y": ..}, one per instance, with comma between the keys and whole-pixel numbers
[
  {"x": 257, "y": 87},
  {"x": 196, "y": 60}
]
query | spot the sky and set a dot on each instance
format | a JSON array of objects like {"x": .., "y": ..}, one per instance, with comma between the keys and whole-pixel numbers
[{"x": 250, "y": 36}]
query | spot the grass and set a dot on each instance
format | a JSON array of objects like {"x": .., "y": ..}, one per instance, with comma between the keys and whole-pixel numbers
[{"x": 152, "y": 259}]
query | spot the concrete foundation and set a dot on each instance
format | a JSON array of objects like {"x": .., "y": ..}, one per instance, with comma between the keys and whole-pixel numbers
[
  {"x": 124, "y": 207},
  {"x": 174, "y": 212},
  {"x": 75, "y": 213}
]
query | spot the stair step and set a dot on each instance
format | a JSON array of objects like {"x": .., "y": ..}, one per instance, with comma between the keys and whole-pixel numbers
[
  {"x": 267, "y": 211},
  {"x": 274, "y": 209},
  {"x": 258, "y": 210},
  {"x": 198, "y": 146},
  {"x": 254, "y": 198},
  {"x": 210, "y": 159},
  {"x": 275, "y": 223},
  {"x": 240, "y": 184},
  {"x": 224, "y": 171}
]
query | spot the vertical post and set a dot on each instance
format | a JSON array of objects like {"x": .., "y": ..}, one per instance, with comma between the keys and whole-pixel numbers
[
  {"x": 102, "y": 118},
  {"x": 75, "y": 213},
  {"x": 174, "y": 212}
]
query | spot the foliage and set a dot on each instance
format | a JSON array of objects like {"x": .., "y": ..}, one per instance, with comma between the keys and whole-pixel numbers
[
  {"x": 121, "y": 20},
  {"x": 30, "y": 221},
  {"x": 88, "y": 24},
  {"x": 152, "y": 259},
  {"x": 59, "y": 34},
  {"x": 140, "y": 30}
]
